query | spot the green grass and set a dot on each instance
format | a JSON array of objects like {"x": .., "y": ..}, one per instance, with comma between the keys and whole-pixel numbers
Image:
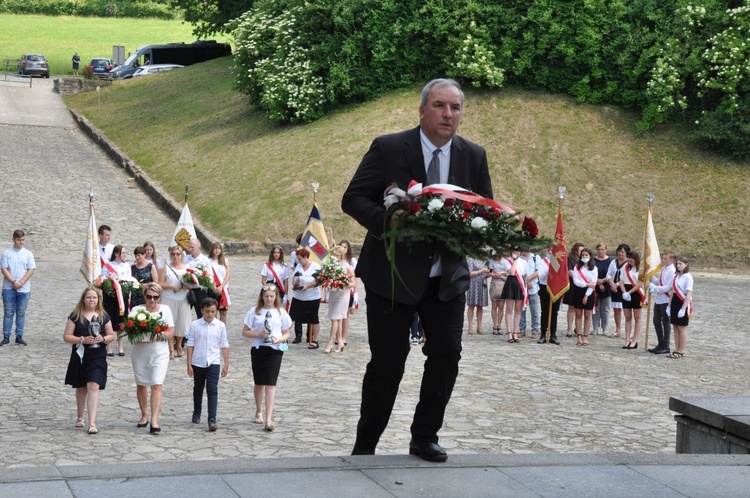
[
  {"x": 250, "y": 179},
  {"x": 57, "y": 38}
]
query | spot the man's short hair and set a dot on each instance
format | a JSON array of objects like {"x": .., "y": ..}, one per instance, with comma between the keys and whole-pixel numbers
[
  {"x": 103, "y": 228},
  {"x": 17, "y": 234},
  {"x": 440, "y": 82}
]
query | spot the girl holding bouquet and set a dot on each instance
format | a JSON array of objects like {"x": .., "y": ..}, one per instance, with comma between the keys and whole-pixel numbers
[
  {"x": 338, "y": 302},
  {"x": 353, "y": 292},
  {"x": 220, "y": 276},
  {"x": 150, "y": 358},
  {"x": 267, "y": 324},
  {"x": 680, "y": 306},
  {"x": 87, "y": 368}
]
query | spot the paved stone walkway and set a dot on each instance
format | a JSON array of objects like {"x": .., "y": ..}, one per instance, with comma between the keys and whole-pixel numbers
[{"x": 523, "y": 398}]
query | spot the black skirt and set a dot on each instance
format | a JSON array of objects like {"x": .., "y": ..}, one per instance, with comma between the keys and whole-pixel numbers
[
  {"x": 577, "y": 296},
  {"x": 266, "y": 363},
  {"x": 92, "y": 369},
  {"x": 512, "y": 289},
  {"x": 674, "y": 309},
  {"x": 635, "y": 299},
  {"x": 305, "y": 311}
]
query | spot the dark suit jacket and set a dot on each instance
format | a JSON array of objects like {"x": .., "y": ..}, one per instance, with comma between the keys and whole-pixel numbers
[{"x": 398, "y": 158}]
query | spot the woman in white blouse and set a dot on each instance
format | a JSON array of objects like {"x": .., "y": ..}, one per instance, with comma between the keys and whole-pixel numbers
[
  {"x": 585, "y": 276},
  {"x": 306, "y": 300},
  {"x": 119, "y": 270},
  {"x": 175, "y": 297}
]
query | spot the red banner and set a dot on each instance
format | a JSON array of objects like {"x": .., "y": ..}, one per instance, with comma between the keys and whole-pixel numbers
[{"x": 557, "y": 281}]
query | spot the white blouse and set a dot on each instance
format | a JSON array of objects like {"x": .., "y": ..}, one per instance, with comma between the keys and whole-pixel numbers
[{"x": 278, "y": 321}]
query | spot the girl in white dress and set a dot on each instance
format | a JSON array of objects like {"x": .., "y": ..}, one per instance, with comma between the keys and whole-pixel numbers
[{"x": 338, "y": 303}]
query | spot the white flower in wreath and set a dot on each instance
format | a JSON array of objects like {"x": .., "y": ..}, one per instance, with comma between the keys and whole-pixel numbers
[
  {"x": 434, "y": 205},
  {"x": 155, "y": 316},
  {"x": 141, "y": 317},
  {"x": 478, "y": 223}
]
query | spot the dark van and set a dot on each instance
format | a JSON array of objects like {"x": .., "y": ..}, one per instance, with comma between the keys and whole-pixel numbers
[{"x": 184, "y": 54}]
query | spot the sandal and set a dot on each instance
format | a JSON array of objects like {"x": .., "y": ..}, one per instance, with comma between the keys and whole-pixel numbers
[
  {"x": 93, "y": 430},
  {"x": 258, "y": 418},
  {"x": 270, "y": 426},
  {"x": 585, "y": 340},
  {"x": 313, "y": 345},
  {"x": 675, "y": 355},
  {"x": 79, "y": 422}
]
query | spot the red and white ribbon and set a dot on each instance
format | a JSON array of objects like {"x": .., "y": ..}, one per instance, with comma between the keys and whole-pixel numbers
[{"x": 393, "y": 195}]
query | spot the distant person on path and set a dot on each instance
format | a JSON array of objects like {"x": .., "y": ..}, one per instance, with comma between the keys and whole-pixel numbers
[
  {"x": 498, "y": 271},
  {"x": 477, "y": 295},
  {"x": 600, "y": 318},
  {"x": 220, "y": 274},
  {"x": 76, "y": 63},
  {"x": 18, "y": 266},
  {"x": 338, "y": 303},
  {"x": 275, "y": 271},
  {"x": 437, "y": 278},
  {"x": 632, "y": 298},
  {"x": 175, "y": 297},
  {"x": 680, "y": 307},
  {"x": 661, "y": 287},
  {"x": 353, "y": 291},
  {"x": 544, "y": 302},
  {"x": 267, "y": 324},
  {"x": 89, "y": 330},
  {"x": 206, "y": 346},
  {"x": 306, "y": 300},
  {"x": 120, "y": 270},
  {"x": 532, "y": 285},
  {"x": 584, "y": 296},
  {"x": 614, "y": 274},
  {"x": 515, "y": 293}
]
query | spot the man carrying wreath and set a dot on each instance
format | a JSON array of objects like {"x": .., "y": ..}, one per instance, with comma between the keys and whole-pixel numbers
[{"x": 428, "y": 280}]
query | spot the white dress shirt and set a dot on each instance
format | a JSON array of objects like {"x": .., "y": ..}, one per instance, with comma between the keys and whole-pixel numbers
[{"x": 207, "y": 341}]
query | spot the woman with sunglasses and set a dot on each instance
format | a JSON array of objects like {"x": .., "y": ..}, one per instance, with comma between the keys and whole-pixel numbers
[
  {"x": 151, "y": 359},
  {"x": 88, "y": 327},
  {"x": 175, "y": 297}
]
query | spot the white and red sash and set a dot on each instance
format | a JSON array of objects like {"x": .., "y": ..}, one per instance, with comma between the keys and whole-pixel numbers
[
  {"x": 661, "y": 282},
  {"x": 630, "y": 281},
  {"x": 678, "y": 294},
  {"x": 583, "y": 277},
  {"x": 224, "y": 298},
  {"x": 278, "y": 283},
  {"x": 115, "y": 285},
  {"x": 521, "y": 282}
]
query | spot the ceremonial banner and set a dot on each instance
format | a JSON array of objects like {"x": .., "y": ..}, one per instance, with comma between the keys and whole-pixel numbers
[
  {"x": 314, "y": 237},
  {"x": 651, "y": 262},
  {"x": 184, "y": 230},
  {"x": 91, "y": 266},
  {"x": 557, "y": 281}
]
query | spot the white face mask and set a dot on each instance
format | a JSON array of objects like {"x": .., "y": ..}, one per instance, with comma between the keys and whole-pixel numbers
[{"x": 584, "y": 260}]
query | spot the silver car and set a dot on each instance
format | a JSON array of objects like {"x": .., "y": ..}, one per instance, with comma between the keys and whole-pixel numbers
[
  {"x": 33, "y": 64},
  {"x": 155, "y": 68}
]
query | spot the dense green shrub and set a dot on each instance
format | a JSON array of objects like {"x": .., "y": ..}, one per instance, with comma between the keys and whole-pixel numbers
[
  {"x": 678, "y": 60},
  {"x": 89, "y": 8}
]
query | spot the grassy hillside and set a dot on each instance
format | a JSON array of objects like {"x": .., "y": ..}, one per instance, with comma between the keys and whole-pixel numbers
[
  {"x": 59, "y": 37},
  {"x": 250, "y": 180}
]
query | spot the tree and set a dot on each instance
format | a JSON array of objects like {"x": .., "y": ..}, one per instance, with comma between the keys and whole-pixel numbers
[{"x": 211, "y": 16}]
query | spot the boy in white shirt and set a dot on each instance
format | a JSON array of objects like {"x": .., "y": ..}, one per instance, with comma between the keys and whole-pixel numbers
[{"x": 206, "y": 345}]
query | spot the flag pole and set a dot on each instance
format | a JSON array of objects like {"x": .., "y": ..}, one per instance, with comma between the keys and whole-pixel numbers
[
  {"x": 315, "y": 186},
  {"x": 650, "y": 198},
  {"x": 186, "y": 193},
  {"x": 560, "y": 194}
]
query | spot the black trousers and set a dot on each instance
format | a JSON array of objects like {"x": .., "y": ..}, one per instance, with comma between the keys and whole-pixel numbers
[
  {"x": 200, "y": 295},
  {"x": 544, "y": 299},
  {"x": 661, "y": 325},
  {"x": 388, "y": 329}
]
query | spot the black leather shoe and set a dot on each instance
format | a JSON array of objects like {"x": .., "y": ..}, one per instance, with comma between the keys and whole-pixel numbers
[
  {"x": 661, "y": 351},
  {"x": 652, "y": 350},
  {"x": 432, "y": 452},
  {"x": 542, "y": 340},
  {"x": 362, "y": 451},
  {"x": 154, "y": 430},
  {"x": 553, "y": 340},
  {"x": 296, "y": 340}
]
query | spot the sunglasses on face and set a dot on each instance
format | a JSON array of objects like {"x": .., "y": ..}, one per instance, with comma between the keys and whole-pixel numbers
[
  {"x": 152, "y": 297},
  {"x": 175, "y": 254},
  {"x": 269, "y": 287}
]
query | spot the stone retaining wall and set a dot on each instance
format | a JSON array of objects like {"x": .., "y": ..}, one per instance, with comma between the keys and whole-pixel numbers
[{"x": 71, "y": 86}]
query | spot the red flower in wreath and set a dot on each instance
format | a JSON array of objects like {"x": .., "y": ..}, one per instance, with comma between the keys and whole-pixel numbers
[
  {"x": 466, "y": 215},
  {"x": 130, "y": 323},
  {"x": 449, "y": 202},
  {"x": 414, "y": 207},
  {"x": 122, "y": 327},
  {"x": 142, "y": 325},
  {"x": 467, "y": 205},
  {"x": 529, "y": 226}
]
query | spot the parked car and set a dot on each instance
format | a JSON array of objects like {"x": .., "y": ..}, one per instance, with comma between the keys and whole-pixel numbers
[
  {"x": 155, "y": 68},
  {"x": 33, "y": 64},
  {"x": 101, "y": 67}
]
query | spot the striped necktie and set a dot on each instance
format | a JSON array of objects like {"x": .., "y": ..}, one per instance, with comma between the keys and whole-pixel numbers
[{"x": 433, "y": 170}]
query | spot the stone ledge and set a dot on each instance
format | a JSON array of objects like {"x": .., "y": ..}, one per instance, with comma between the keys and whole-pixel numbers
[{"x": 712, "y": 424}]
